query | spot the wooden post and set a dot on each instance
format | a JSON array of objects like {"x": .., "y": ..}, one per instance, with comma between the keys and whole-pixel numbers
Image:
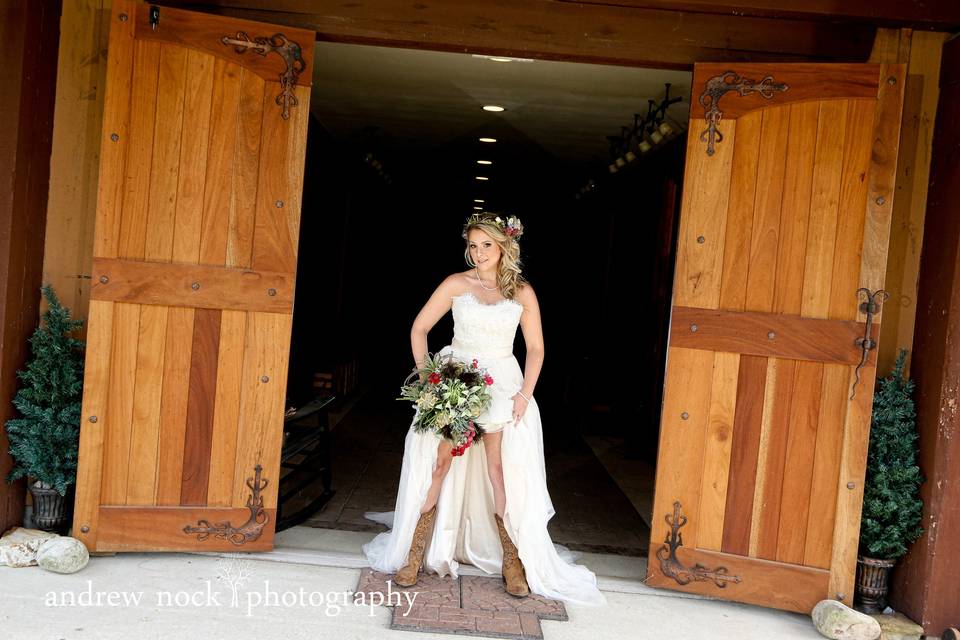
[
  {"x": 921, "y": 50},
  {"x": 924, "y": 583},
  {"x": 75, "y": 157},
  {"x": 29, "y": 40}
]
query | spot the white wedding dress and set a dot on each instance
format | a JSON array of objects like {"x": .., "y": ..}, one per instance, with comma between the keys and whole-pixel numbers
[{"x": 465, "y": 530}]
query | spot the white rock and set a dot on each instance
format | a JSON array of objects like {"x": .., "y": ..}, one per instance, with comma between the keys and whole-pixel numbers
[
  {"x": 835, "y": 620},
  {"x": 63, "y": 555},
  {"x": 18, "y": 546}
]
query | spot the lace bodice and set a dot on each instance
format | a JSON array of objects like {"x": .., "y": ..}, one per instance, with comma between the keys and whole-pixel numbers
[{"x": 484, "y": 329}]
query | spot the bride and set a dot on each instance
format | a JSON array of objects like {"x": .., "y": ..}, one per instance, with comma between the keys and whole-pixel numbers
[{"x": 488, "y": 507}]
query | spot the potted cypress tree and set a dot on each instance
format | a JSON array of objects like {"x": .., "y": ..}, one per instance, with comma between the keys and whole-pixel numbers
[
  {"x": 45, "y": 439},
  {"x": 892, "y": 507}
]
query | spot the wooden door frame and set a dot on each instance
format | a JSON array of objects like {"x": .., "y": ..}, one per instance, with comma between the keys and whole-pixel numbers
[
  {"x": 923, "y": 581},
  {"x": 30, "y": 40},
  {"x": 360, "y": 25}
]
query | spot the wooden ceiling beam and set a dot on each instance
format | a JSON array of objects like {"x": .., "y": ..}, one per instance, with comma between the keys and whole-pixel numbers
[
  {"x": 931, "y": 15},
  {"x": 548, "y": 29}
]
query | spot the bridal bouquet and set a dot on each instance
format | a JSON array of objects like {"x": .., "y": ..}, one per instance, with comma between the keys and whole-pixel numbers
[{"x": 449, "y": 395}]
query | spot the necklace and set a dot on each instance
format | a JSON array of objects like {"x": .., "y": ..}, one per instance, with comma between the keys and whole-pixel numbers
[{"x": 481, "y": 281}]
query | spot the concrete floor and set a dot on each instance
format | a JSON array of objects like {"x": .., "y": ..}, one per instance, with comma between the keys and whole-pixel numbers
[{"x": 299, "y": 591}]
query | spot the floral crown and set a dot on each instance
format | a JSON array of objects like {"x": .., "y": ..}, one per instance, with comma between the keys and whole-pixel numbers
[{"x": 511, "y": 226}]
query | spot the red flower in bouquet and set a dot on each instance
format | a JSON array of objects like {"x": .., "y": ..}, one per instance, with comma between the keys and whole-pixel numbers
[
  {"x": 474, "y": 365},
  {"x": 488, "y": 379},
  {"x": 434, "y": 378}
]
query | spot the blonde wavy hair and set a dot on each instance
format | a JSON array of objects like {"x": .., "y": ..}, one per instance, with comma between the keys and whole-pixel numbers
[{"x": 509, "y": 276}]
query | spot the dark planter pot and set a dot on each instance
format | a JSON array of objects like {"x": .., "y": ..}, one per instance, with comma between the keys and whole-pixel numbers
[
  {"x": 873, "y": 583},
  {"x": 51, "y": 511}
]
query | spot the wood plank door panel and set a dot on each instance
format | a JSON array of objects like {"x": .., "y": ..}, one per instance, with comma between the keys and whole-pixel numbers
[
  {"x": 785, "y": 215},
  {"x": 192, "y": 292}
]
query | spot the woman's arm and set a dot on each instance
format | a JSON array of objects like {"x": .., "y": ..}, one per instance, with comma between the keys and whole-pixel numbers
[
  {"x": 533, "y": 338},
  {"x": 435, "y": 308}
]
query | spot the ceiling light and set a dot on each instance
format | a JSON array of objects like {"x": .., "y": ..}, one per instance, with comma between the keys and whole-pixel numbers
[
  {"x": 492, "y": 107},
  {"x": 484, "y": 162},
  {"x": 487, "y": 139},
  {"x": 478, "y": 200},
  {"x": 479, "y": 208},
  {"x": 482, "y": 178}
]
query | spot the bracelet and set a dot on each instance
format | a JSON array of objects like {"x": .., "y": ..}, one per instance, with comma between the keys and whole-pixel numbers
[{"x": 524, "y": 397}]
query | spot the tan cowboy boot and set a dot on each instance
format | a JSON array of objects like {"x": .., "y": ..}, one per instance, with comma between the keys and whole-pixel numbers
[
  {"x": 407, "y": 575},
  {"x": 513, "y": 572}
]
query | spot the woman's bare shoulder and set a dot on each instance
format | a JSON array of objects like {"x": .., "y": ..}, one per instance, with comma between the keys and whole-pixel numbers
[
  {"x": 456, "y": 283},
  {"x": 525, "y": 294}
]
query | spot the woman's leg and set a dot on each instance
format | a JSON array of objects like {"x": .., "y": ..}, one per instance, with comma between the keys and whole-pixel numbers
[
  {"x": 444, "y": 458},
  {"x": 491, "y": 444}
]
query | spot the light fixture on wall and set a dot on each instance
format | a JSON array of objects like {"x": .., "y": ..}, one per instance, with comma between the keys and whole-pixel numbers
[
  {"x": 493, "y": 107},
  {"x": 646, "y": 133},
  {"x": 487, "y": 139}
]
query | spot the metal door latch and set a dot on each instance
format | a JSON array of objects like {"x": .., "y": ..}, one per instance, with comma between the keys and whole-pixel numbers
[
  {"x": 154, "y": 16},
  {"x": 866, "y": 343}
]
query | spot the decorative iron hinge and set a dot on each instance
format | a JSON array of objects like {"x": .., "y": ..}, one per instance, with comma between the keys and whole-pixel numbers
[
  {"x": 249, "y": 530},
  {"x": 289, "y": 50},
  {"x": 671, "y": 566},
  {"x": 715, "y": 89},
  {"x": 866, "y": 343}
]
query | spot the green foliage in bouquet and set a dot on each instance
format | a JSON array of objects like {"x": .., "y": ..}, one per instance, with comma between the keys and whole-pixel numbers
[
  {"x": 45, "y": 440},
  {"x": 892, "y": 507},
  {"x": 449, "y": 395}
]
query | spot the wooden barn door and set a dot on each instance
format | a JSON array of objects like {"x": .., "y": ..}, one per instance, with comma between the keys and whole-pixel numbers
[
  {"x": 193, "y": 279},
  {"x": 785, "y": 216}
]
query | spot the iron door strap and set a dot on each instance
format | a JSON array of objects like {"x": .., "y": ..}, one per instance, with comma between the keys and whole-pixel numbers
[
  {"x": 716, "y": 87},
  {"x": 288, "y": 50},
  {"x": 870, "y": 307},
  {"x": 249, "y": 530},
  {"x": 672, "y": 567}
]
